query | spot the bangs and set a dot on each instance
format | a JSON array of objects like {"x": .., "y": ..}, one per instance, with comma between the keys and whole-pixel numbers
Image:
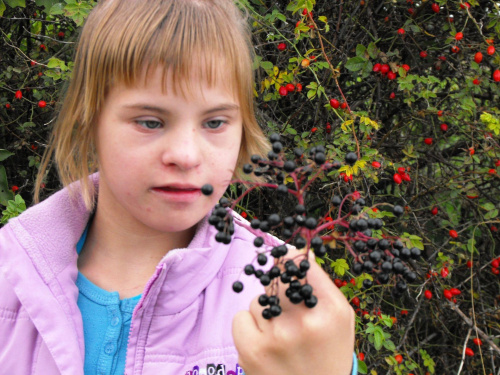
[{"x": 191, "y": 39}]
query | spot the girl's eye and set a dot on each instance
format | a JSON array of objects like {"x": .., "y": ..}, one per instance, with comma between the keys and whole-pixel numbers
[
  {"x": 149, "y": 124},
  {"x": 215, "y": 124}
]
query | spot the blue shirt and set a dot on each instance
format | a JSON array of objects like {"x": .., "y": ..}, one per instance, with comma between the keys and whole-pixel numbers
[{"x": 106, "y": 324}]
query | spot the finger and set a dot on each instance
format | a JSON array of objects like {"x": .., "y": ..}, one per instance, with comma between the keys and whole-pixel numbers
[{"x": 245, "y": 332}]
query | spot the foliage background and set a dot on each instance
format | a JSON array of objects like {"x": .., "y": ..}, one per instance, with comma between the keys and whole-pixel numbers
[{"x": 450, "y": 172}]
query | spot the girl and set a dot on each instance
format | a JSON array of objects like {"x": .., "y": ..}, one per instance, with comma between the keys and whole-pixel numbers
[{"x": 119, "y": 272}]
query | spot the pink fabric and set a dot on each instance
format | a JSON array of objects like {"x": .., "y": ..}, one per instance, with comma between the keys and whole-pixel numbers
[{"x": 182, "y": 323}]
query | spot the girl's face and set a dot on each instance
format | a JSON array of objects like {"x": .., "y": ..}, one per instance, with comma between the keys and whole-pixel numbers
[{"x": 156, "y": 150}]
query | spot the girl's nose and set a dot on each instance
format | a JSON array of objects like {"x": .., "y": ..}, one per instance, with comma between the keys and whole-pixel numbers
[{"x": 182, "y": 149}]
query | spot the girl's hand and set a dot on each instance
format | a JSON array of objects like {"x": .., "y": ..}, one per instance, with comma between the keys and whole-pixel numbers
[{"x": 301, "y": 341}]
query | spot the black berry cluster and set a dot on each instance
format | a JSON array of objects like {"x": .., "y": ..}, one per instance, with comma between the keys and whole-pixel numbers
[{"x": 352, "y": 227}]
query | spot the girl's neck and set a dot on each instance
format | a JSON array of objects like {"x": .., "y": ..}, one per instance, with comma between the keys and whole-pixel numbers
[{"x": 118, "y": 257}]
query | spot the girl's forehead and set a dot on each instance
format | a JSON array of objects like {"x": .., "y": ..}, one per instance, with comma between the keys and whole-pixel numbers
[{"x": 190, "y": 85}]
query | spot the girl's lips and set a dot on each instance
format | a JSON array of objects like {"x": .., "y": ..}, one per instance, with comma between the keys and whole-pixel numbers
[{"x": 178, "y": 194}]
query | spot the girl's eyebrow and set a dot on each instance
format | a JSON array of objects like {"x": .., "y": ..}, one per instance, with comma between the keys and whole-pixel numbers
[{"x": 164, "y": 111}]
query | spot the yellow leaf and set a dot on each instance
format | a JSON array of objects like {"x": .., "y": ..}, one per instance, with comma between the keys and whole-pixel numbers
[
  {"x": 373, "y": 372},
  {"x": 333, "y": 244},
  {"x": 267, "y": 83},
  {"x": 288, "y": 180},
  {"x": 276, "y": 70}
]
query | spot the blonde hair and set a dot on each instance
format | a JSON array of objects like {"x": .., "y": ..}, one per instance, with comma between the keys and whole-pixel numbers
[{"x": 119, "y": 40}]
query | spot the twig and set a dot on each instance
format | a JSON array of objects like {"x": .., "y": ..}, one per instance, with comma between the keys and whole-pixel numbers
[{"x": 469, "y": 322}]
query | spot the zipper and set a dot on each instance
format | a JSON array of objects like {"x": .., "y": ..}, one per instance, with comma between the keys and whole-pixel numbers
[{"x": 140, "y": 304}]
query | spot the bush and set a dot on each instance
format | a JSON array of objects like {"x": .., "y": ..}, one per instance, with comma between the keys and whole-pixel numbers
[{"x": 412, "y": 88}]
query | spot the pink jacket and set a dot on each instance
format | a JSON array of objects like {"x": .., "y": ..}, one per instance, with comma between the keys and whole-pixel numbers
[{"x": 182, "y": 324}]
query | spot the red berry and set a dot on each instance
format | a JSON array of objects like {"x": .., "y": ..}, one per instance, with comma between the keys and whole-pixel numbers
[
  {"x": 361, "y": 356},
  {"x": 244, "y": 215},
  {"x": 297, "y": 24},
  {"x": 404, "y": 312},
  {"x": 353, "y": 281},
  {"x": 477, "y": 341},
  {"x": 459, "y": 36},
  {"x": 18, "y": 94},
  {"x": 42, "y": 103},
  {"x": 40, "y": 74},
  {"x": 469, "y": 264},
  {"x": 289, "y": 87},
  {"x": 495, "y": 263},
  {"x": 469, "y": 352},
  {"x": 391, "y": 75},
  {"x": 343, "y": 105},
  {"x": 440, "y": 113},
  {"x": 355, "y": 301},
  {"x": 7, "y": 105},
  {"x": 42, "y": 46},
  {"x": 376, "y": 67},
  {"x": 14, "y": 188},
  {"x": 401, "y": 170},
  {"x": 495, "y": 271},
  {"x": 476, "y": 81},
  {"x": 453, "y": 233},
  {"x": 392, "y": 95},
  {"x": 428, "y": 141},
  {"x": 447, "y": 294},
  {"x": 282, "y": 46},
  {"x": 496, "y": 75},
  {"x": 304, "y": 12},
  {"x": 428, "y": 294},
  {"x": 490, "y": 50},
  {"x": 384, "y": 69},
  {"x": 494, "y": 228},
  {"x": 32, "y": 62},
  {"x": 442, "y": 58},
  {"x": 444, "y": 272},
  {"x": 334, "y": 103},
  {"x": 313, "y": 130},
  {"x": 492, "y": 171},
  {"x": 411, "y": 10},
  {"x": 444, "y": 127},
  {"x": 423, "y": 54},
  {"x": 472, "y": 151},
  {"x": 463, "y": 5},
  {"x": 455, "y": 49},
  {"x": 478, "y": 57},
  {"x": 455, "y": 291},
  {"x": 397, "y": 178},
  {"x": 398, "y": 358},
  {"x": 376, "y": 164},
  {"x": 497, "y": 163},
  {"x": 60, "y": 34},
  {"x": 435, "y": 7},
  {"x": 298, "y": 86},
  {"x": 406, "y": 67},
  {"x": 401, "y": 31},
  {"x": 283, "y": 91},
  {"x": 434, "y": 211},
  {"x": 338, "y": 283},
  {"x": 406, "y": 177}
]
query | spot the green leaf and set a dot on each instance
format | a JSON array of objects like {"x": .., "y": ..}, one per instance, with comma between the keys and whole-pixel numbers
[
  {"x": 47, "y": 4},
  {"x": 16, "y": 3},
  {"x": 4, "y": 154},
  {"x": 372, "y": 50},
  {"x": 2, "y": 8},
  {"x": 360, "y": 50},
  {"x": 491, "y": 214},
  {"x": 471, "y": 245},
  {"x": 488, "y": 206},
  {"x": 340, "y": 266},
  {"x": 56, "y": 9},
  {"x": 378, "y": 335},
  {"x": 355, "y": 64},
  {"x": 5, "y": 193},
  {"x": 266, "y": 65},
  {"x": 362, "y": 368},
  {"x": 291, "y": 131}
]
